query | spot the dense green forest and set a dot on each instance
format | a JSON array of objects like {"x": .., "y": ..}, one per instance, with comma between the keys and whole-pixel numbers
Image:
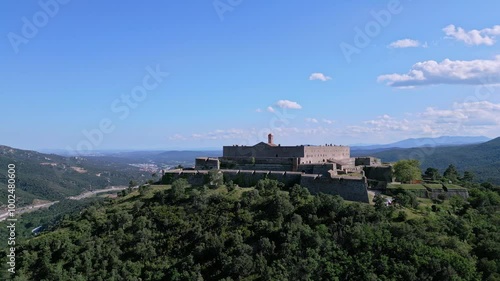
[
  {"x": 481, "y": 159},
  {"x": 54, "y": 177},
  {"x": 269, "y": 233},
  {"x": 48, "y": 218}
]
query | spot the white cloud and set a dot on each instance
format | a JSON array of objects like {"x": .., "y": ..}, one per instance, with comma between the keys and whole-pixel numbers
[
  {"x": 386, "y": 122},
  {"x": 327, "y": 121},
  {"x": 319, "y": 76},
  {"x": 270, "y": 109},
  {"x": 177, "y": 137},
  {"x": 288, "y": 104},
  {"x": 466, "y": 118},
  {"x": 473, "y": 37},
  {"x": 405, "y": 43},
  {"x": 473, "y": 72},
  {"x": 467, "y": 114},
  {"x": 312, "y": 120},
  {"x": 258, "y": 110}
]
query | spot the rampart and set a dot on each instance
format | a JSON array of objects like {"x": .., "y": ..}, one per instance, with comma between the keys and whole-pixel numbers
[
  {"x": 349, "y": 188},
  {"x": 205, "y": 163},
  {"x": 323, "y": 169},
  {"x": 379, "y": 173},
  {"x": 367, "y": 161}
]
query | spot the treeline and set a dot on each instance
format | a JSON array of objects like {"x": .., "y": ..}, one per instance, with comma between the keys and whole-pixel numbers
[
  {"x": 267, "y": 233},
  {"x": 409, "y": 170}
]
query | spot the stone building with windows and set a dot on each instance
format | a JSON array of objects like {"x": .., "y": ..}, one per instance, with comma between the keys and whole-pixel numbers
[{"x": 285, "y": 158}]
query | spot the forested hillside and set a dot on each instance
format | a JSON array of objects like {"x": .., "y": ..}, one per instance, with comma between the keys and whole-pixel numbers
[
  {"x": 53, "y": 177},
  {"x": 269, "y": 233},
  {"x": 481, "y": 159}
]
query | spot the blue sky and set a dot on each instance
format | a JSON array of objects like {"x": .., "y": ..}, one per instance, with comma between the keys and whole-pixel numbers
[{"x": 83, "y": 75}]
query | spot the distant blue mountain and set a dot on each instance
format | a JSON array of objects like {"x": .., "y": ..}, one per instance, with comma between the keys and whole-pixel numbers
[{"x": 419, "y": 142}]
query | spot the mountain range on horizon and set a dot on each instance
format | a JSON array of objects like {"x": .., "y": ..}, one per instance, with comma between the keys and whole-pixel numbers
[
  {"x": 419, "y": 142},
  {"x": 406, "y": 143}
]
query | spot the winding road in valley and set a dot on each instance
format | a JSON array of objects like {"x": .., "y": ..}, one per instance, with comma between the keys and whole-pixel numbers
[{"x": 31, "y": 208}]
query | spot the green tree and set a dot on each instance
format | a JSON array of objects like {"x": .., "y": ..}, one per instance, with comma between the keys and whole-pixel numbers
[
  {"x": 268, "y": 186},
  {"x": 299, "y": 195},
  {"x": 132, "y": 183},
  {"x": 468, "y": 176},
  {"x": 215, "y": 178},
  {"x": 432, "y": 173},
  {"x": 407, "y": 170},
  {"x": 179, "y": 188},
  {"x": 451, "y": 173},
  {"x": 457, "y": 202},
  {"x": 379, "y": 202}
]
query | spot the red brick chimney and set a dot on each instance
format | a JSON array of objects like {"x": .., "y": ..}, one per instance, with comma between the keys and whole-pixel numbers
[{"x": 270, "y": 139}]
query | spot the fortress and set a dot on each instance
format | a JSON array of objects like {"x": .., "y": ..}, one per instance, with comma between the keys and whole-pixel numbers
[{"x": 325, "y": 168}]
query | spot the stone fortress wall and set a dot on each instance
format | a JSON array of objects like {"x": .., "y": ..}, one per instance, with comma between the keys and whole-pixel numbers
[
  {"x": 263, "y": 150},
  {"x": 349, "y": 188},
  {"x": 259, "y": 163},
  {"x": 206, "y": 163},
  {"x": 321, "y": 154}
]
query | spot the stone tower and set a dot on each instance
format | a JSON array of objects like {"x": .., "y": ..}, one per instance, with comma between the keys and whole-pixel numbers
[{"x": 270, "y": 139}]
